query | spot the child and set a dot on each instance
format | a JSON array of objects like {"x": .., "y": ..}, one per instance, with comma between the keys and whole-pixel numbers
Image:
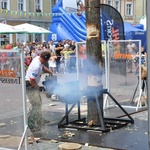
[
  {"x": 33, "y": 54},
  {"x": 52, "y": 62}
]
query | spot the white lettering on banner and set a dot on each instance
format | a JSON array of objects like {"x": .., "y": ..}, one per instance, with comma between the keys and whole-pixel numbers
[
  {"x": 109, "y": 24},
  {"x": 70, "y": 9},
  {"x": 139, "y": 33}
]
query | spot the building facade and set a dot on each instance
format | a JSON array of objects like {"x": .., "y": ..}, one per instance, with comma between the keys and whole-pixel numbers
[
  {"x": 130, "y": 10},
  {"x": 36, "y": 12}
]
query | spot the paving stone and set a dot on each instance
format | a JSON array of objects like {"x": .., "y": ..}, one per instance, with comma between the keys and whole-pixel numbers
[{"x": 70, "y": 146}]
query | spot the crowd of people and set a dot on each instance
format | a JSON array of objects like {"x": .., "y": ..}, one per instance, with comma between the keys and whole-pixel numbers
[
  {"x": 62, "y": 55},
  {"x": 38, "y": 58}
]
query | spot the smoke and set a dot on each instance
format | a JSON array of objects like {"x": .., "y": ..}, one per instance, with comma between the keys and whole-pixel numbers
[
  {"x": 68, "y": 91},
  {"x": 71, "y": 90}
]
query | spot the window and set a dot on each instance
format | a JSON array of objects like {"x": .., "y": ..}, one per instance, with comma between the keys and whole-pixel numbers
[
  {"x": 53, "y": 2},
  {"x": 117, "y": 5},
  {"x": 20, "y": 5},
  {"x": 38, "y": 6},
  {"x": 4, "y": 4},
  {"x": 109, "y": 2},
  {"x": 129, "y": 9}
]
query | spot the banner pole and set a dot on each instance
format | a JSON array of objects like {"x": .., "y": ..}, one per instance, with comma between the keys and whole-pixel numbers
[{"x": 148, "y": 63}]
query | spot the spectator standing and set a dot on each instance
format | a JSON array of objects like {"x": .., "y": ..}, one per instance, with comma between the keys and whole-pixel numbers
[
  {"x": 67, "y": 53},
  {"x": 17, "y": 58},
  {"x": 47, "y": 48},
  {"x": 58, "y": 48},
  {"x": 66, "y": 43},
  {"x": 72, "y": 56},
  {"x": 62, "y": 64},
  {"x": 52, "y": 62},
  {"x": 26, "y": 48},
  {"x": 44, "y": 43},
  {"x": 11, "y": 56},
  {"x": 143, "y": 59},
  {"x": 33, "y": 54},
  {"x": 131, "y": 50},
  {"x": 38, "y": 50},
  {"x": 32, "y": 46},
  {"x": 52, "y": 46},
  {"x": 3, "y": 61},
  {"x": 28, "y": 60}
]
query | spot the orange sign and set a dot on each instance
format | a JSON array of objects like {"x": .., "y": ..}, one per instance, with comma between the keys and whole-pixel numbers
[
  {"x": 122, "y": 56},
  {"x": 7, "y": 73}
]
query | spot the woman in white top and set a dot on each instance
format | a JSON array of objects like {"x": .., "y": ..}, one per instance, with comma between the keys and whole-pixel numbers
[{"x": 52, "y": 62}]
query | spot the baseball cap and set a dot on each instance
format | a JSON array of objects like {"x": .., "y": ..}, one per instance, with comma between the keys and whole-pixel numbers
[{"x": 45, "y": 55}]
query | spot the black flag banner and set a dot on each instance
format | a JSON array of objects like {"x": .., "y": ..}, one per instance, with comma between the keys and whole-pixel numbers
[{"x": 112, "y": 27}]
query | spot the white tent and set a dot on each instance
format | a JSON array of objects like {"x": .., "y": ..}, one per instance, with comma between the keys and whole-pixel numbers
[
  {"x": 7, "y": 29},
  {"x": 29, "y": 28}
]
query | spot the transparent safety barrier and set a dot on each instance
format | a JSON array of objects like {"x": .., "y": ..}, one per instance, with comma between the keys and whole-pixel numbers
[
  {"x": 81, "y": 55},
  {"x": 12, "y": 111},
  {"x": 124, "y": 71},
  {"x": 121, "y": 72}
]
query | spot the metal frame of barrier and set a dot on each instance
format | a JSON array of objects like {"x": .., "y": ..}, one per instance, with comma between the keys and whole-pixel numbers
[
  {"x": 138, "y": 85},
  {"x": 107, "y": 73}
]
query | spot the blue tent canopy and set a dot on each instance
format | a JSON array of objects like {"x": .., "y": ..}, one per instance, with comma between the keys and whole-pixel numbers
[
  {"x": 71, "y": 26},
  {"x": 134, "y": 33}
]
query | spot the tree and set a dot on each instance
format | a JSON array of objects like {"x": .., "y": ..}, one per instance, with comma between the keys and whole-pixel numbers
[{"x": 94, "y": 59}]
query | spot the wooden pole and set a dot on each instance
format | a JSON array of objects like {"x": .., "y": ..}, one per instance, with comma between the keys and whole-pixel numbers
[{"x": 94, "y": 58}]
